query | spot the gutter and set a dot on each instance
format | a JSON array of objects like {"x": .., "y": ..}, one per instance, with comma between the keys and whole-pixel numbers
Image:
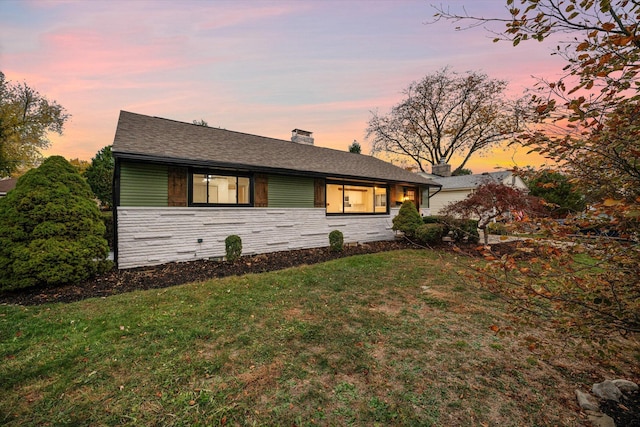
[
  {"x": 439, "y": 190},
  {"x": 259, "y": 169}
]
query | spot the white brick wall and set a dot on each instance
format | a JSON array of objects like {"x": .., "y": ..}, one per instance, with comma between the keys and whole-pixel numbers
[{"x": 151, "y": 236}]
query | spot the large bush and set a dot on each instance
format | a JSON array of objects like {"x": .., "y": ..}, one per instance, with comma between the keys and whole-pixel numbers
[
  {"x": 408, "y": 219},
  {"x": 51, "y": 232}
]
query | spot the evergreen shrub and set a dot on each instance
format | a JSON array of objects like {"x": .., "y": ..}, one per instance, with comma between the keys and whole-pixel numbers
[
  {"x": 408, "y": 219},
  {"x": 430, "y": 233},
  {"x": 233, "y": 247},
  {"x": 460, "y": 230},
  {"x": 107, "y": 218},
  {"x": 464, "y": 230},
  {"x": 433, "y": 219},
  {"x": 51, "y": 231},
  {"x": 336, "y": 241}
]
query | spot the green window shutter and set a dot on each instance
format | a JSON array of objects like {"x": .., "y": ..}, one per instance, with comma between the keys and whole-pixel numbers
[
  {"x": 290, "y": 192},
  {"x": 143, "y": 185}
]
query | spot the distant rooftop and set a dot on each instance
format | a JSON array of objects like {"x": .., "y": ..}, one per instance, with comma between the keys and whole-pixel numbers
[
  {"x": 7, "y": 184},
  {"x": 464, "y": 182}
]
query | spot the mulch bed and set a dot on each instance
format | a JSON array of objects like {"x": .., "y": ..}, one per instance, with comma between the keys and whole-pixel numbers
[
  {"x": 171, "y": 274},
  {"x": 176, "y": 273}
]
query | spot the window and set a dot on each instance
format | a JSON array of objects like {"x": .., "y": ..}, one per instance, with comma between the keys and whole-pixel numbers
[
  {"x": 343, "y": 198},
  {"x": 213, "y": 189}
]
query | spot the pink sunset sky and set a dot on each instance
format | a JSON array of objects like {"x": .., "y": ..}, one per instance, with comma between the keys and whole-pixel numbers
[{"x": 259, "y": 67}]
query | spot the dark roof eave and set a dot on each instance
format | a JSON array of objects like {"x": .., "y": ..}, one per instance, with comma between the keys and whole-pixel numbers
[{"x": 252, "y": 168}]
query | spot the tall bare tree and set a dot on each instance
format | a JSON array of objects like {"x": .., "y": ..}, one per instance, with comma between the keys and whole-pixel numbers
[{"x": 446, "y": 114}]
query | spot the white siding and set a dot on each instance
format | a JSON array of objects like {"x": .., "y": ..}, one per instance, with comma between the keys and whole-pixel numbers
[
  {"x": 515, "y": 182},
  {"x": 443, "y": 198},
  {"x": 151, "y": 236},
  {"x": 446, "y": 196}
]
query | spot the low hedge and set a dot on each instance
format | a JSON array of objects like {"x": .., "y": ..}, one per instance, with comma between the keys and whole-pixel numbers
[
  {"x": 430, "y": 233},
  {"x": 460, "y": 230}
]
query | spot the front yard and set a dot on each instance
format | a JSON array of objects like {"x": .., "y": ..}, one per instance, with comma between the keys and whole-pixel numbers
[{"x": 394, "y": 338}]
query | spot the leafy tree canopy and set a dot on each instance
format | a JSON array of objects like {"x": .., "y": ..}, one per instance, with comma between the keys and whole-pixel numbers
[
  {"x": 26, "y": 117},
  {"x": 561, "y": 196},
  {"x": 80, "y": 165},
  {"x": 99, "y": 175},
  {"x": 601, "y": 46},
  {"x": 446, "y": 114},
  {"x": 462, "y": 171}
]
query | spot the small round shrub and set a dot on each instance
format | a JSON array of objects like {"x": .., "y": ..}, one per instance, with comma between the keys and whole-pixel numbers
[
  {"x": 336, "y": 241},
  {"x": 233, "y": 247},
  {"x": 497, "y": 228},
  {"x": 408, "y": 219},
  {"x": 430, "y": 233}
]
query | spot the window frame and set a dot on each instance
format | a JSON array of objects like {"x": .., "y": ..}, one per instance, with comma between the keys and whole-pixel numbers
[
  {"x": 226, "y": 174},
  {"x": 358, "y": 184}
]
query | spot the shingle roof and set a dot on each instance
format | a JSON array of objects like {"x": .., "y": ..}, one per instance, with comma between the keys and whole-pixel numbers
[
  {"x": 470, "y": 181},
  {"x": 157, "y": 139},
  {"x": 7, "y": 184}
]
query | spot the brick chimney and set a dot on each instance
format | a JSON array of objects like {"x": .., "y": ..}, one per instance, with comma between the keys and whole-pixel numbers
[
  {"x": 441, "y": 169},
  {"x": 302, "y": 136}
]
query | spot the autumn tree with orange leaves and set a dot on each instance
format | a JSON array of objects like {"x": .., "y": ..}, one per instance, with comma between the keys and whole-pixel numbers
[
  {"x": 492, "y": 201},
  {"x": 589, "y": 122}
]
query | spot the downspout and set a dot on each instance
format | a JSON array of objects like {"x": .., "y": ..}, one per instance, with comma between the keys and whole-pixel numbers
[{"x": 431, "y": 195}]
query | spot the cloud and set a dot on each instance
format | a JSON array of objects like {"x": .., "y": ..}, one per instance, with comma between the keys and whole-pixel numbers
[{"x": 258, "y": 67}]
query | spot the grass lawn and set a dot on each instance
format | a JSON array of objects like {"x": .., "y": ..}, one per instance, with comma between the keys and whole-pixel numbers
[{"x": 394, "y": 338}]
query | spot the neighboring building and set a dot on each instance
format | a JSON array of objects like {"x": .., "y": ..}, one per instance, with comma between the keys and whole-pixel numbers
[
  {"x": 6, "y": 185},
  {"x": 456, "y": 188},
  {"x": 181, "y": 189}
]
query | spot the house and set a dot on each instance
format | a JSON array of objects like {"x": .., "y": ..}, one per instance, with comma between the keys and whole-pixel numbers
[
  {"x": 180, "y": 189},
  {"x": 6, "y": 185},
  {"x": 456, "y": 188}
]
